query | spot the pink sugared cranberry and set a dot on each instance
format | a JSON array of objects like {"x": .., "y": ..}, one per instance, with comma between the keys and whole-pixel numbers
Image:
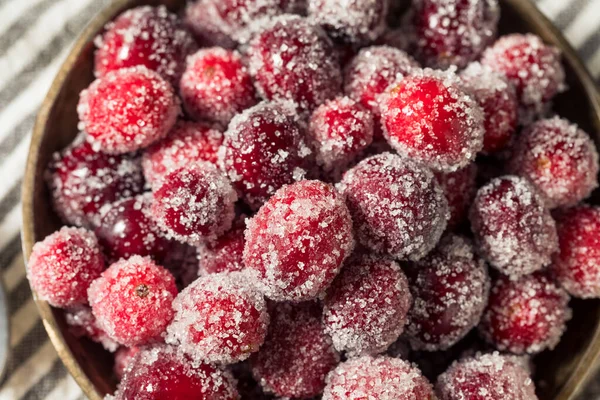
[
  {"x": 145, "y": 36},
  {"x": 429, "y": 117},
  {"x": 297, "y": 355},
  {"x": 396, "y": 204},
  {"x": 459, "y": 188},
  {"x": 216, "y": 85},
  {"x": 225, "y": 253},
  {"x": 298, "y": 240},
  {"x": 82, "y": 323},
  {"x": 127, "y": 110},
  {"x": 63, "y": 265},
  {"x": 132, "y": 299},
  {"x": 209, "y": 31},
  {"x": 123, "y": 358},
  {"x": 513, "y": 229},
  {"x": 366, "y": 306}
]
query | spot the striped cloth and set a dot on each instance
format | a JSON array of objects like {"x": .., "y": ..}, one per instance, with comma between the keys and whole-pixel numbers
[{"x": 35, "y": 36}]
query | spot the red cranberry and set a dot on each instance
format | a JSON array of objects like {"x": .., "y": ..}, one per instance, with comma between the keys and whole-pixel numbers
[
  {"x": 194, "y": 203},
  {"x": 82, "y": 181},
  {"x": 486, "y": 377},
  {"x": 216, "y": 85},
  {"x": 127, "y": 110},
  {"x": 498, "y": 100},
  {"x": 163, "y": 373},
  {"x": 123, "y": 358},
  {"x": 459, "y": 188},
  {"x": 396, "y": 205},
  {"x": 513, "y": 229},
  {"x": 533, "y": 67},
  {"x": 188, "y": 143},
  {"x": 264, "y": 149},
  {"x": 219, "y": 318},
  {"x": 527, "y": 315},
  {"x": 377, "y": 378},
  {"x": 366, "y": 306},
  {"x": 82, "y": 323},
  {"x": 297, "y": 355},
  {"x": 427, "y": 116},
  {"x": 450, "y": 290},
  {"x": 224, "y": 254},
  {"x": 208, "y": 31},
  {"x": 296, "y": 243},
  {"x": 132, "y": 300},
  {"x": 292, "y": 59},
  {"x": 560, "y": 159},
  {"x": 148, "y": 36},
  {"x": 63, "y": 265}
]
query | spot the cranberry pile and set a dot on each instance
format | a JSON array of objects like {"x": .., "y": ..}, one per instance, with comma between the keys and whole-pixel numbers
[{"x": 293, "y": 199}]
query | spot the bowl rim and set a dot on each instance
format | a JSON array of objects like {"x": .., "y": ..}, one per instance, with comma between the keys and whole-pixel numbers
[{"x": 528, "y": 10}]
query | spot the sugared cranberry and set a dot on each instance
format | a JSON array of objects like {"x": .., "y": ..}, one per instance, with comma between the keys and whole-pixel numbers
[
  {"x": 127, "y": 110},
  {"x": 194, "y": 203},
  {"x": 533, "y": 67},
  {"x": 450, "y": 290},
  {"x": 82, "y": 181},
  {"x": 131, "y": 300},
  {"x": 459, "y": 189},
  {"x": 429, "y": 117},
  {"x": 208, "y": 30},
  {"x": 297, "y": 355},
  {"x": 396, "y": 204},
  {"x": 123, "y": 358},
  {"x": 216, "y": 85},
  {"x": 486, "y": 377},
  {"x": 225, "y": 253},
  {"x": 377, "y": 378},
  {"x": 126, "y": 229},
  {"x": 366, "y": 306},
  {"x": 82, "y": 323},
  {"x": 296, "y": 243},
  {"x": 163, "y": 373},
  {"x": 264, "y": 149},
  {"x": 453, "y": 32},
  {"x": 577, "y": 265},
  {"x": 512, "y": 227},
  {"x": 63, "y": 265},
  {"x": 498, "y": 100},
  {"x": 187, "y": 143},
  {"x": 527, "y": 315},
  {"x": 340, "y": 129},
  {"x": 559, "y": 158},
  {"x": 290, "y": 58},
  {"x": 357, "y": 21},
  {"x": 148, "y": 36},
  {"x": 219, "y": 318}
]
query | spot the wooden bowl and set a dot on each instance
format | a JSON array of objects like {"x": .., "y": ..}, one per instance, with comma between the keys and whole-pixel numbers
[{"x": 560, "y": 374}]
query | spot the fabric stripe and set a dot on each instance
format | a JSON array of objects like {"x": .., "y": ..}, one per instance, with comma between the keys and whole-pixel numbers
[
  {"x": 14, "y": 273},
  {"x": 594, "y": 65},
  {"x": 10, "y": 226},
  {"x": 20, "y": 26},
  {"x": 14, "y": 10},
  {"x": 567, "y": 15},
  {"x": 10, "y": 251},
  {"x": 10, "y": 199},
  {"x": 22, "y": 323},
  {"x": 584, "y": 24},
  {"x": 37, "y": 391},
  {"x": 11, "y": 170},
  {"x": 66, "y": 389},
  {"x": 19, "y": 296},
  {"x": 591, "y": 45},
  {"x": 552, "y": 7},
  {"x": 30, "y": 343}
]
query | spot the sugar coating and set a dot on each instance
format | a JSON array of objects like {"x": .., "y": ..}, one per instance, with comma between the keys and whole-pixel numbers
[
  {"x": 577, "y": 266},
  {"x": 265, "y": 148},
  {"x": 63, "y": 265},
  {"x": 513, "y": 229},
  {"x": 450, "y": 289},
  {"x": 559, "y": 158},
  {"x": 194, "y": 203},
  {"x": 459, "y": 188},
  {"x": 486, "y": 377},
  {"x": 452, "y": 32},
  {"x": 208, "y": 31},
  {"x": 82, "y": 181},
  {"x": 127, "y": 109},
  {"x": 429, "y": 117},
  {"x": 132, "y": 299},
  {"x": 82, "y": 323},
  {"x": 162, "y": 372},
  {"x": 365, "y": 308},
  {"x": 216, "y": 85},
  {"x": 123, "y": 357},
  {"x": 219, "y": 318},
  {"x": 187, "y": 143},
  {"x": 291, "y": 58},
  {"x": 225, "y": 253},
  {"x": 147, "y": 36},
  {"x": 533, "y": 67},
  {"x": 527, "y": 315},
  {"x": 298, "y": 240},
  {"x": 498, "y": 100},
  {"x": 297, "y": 355},
  {"x": 397, "y": 206},
  {"x": 355, "y": 21},
  {"x": 340, "y": 130},
  {"x": 381, "y": 378}
]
